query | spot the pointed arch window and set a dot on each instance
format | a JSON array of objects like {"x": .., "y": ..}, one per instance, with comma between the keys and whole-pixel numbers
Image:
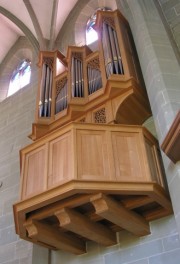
[
  {"x": 20, "y": 77},
  {"x": 91, "y": 34}
]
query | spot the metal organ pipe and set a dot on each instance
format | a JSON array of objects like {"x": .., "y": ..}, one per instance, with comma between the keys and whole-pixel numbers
[
  {"x": 42, "y": 86},
  {"x": 118, "y": 53},
  {"x": 77, "y": 77},
  {"x": 73, "y": 76},
  {"x": 107, "y": 51},
  {"x": 112, "y": 56},
  {"x": 45, "y": 91},
  {"x": 94, "y": 79},
  {"x": 61, "y": 98}
]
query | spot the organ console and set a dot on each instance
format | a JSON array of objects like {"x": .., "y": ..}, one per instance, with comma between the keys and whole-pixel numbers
[{"x": 92, "y": 168}]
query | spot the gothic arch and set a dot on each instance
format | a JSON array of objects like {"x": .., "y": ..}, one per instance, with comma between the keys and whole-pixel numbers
[
  {"x": 85, "y": 14},
  {"x": 23, "y": 27},
  {"x": 21, "y": 50}
]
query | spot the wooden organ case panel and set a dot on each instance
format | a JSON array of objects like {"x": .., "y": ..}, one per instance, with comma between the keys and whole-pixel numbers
[
  {"x": 128, "y": 157},
  {"x": 60, "y": 160},
  {"x": 92, "y": 155},
  {"x": 92, "y": 169},
  {"x": 34, "y": 177}
]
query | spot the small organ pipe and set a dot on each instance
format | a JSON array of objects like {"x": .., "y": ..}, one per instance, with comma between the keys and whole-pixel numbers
[
  {"x": 73, "y": 76},
  {"x": 45, "y": 91},
  {"x": 76, "y": 78},
  {"x": 94, "y": 79},
  {"x": 113, "y": 49},
  {"x": 107, "y": 53},
  {"x": 61, "y": 99},
  {"x": 82, "y": 79},
  {"x": 50, "y": 93},
  {"x": 42, "y": 88},
  {"x": 118, "y": 53}
]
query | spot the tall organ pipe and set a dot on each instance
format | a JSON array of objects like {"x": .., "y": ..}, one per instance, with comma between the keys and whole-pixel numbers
[
  {"x": 77, "y": 77},
  {"x": 107, "y": 51},
  {"x": 45, "y": 91},
  {"x": 42, "y": 87},
  {"x": 111, "y": 50}
]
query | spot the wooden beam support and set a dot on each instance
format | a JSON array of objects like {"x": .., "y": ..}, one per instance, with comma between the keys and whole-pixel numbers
[
  {"x": 160, "y": 196},
  {"x": 116, "y": 213},
  {"x": 154, "y": 214},
  {"x": 48, "y": 211},
  {"x": 45, "y": 234},
  {"x": 82, "y": 225},
  {"x": 133, "y": 202}
]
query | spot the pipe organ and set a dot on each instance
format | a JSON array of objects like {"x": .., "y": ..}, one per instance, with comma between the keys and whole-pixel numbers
[{"x": 93, "y": 169}]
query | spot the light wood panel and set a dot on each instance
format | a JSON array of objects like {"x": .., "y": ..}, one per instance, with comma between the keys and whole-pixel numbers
[
  {"x": 127, "y": 157},
  {"x": 92, "y": 156},
  {"x": 35, "y": 172},
  {"x": 97, "y": 152},
  {"x": 60, "y": 160}
]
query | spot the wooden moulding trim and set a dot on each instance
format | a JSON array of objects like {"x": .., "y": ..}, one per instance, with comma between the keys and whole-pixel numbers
[
  {"x": 48, "y": 211},
  {"x": 87, "y": 187},
  {"x": 171, "y": 143}
]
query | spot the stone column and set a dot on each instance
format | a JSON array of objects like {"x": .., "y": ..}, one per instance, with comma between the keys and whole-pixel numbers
[{"x": 161, "y": 73}]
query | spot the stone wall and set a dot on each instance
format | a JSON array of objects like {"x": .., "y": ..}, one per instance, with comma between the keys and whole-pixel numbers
[
  {"x": 162, "y": 246},
  {"x": 16, "y": 117},
  {"x": 171, "y": 11}
]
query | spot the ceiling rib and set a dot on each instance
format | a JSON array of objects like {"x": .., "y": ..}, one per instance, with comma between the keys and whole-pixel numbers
[
  {"x": 36, "y": 24},
  {"x": 53, "y": 24},
  {"x": 22, "y": 26}
]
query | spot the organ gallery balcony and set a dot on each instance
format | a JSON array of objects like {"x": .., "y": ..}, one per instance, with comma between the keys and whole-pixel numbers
[
  {"x": 86, "y": 182},
  {"x": 92, "y": 169}
]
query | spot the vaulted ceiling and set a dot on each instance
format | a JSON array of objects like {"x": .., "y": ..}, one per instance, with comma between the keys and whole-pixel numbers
[{"x": 41, "y": 19}]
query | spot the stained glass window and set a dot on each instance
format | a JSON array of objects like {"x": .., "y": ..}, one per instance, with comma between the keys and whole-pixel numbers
[
  {"x": 91, "y": 34},
  {"x": 20, "y": 77}
]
